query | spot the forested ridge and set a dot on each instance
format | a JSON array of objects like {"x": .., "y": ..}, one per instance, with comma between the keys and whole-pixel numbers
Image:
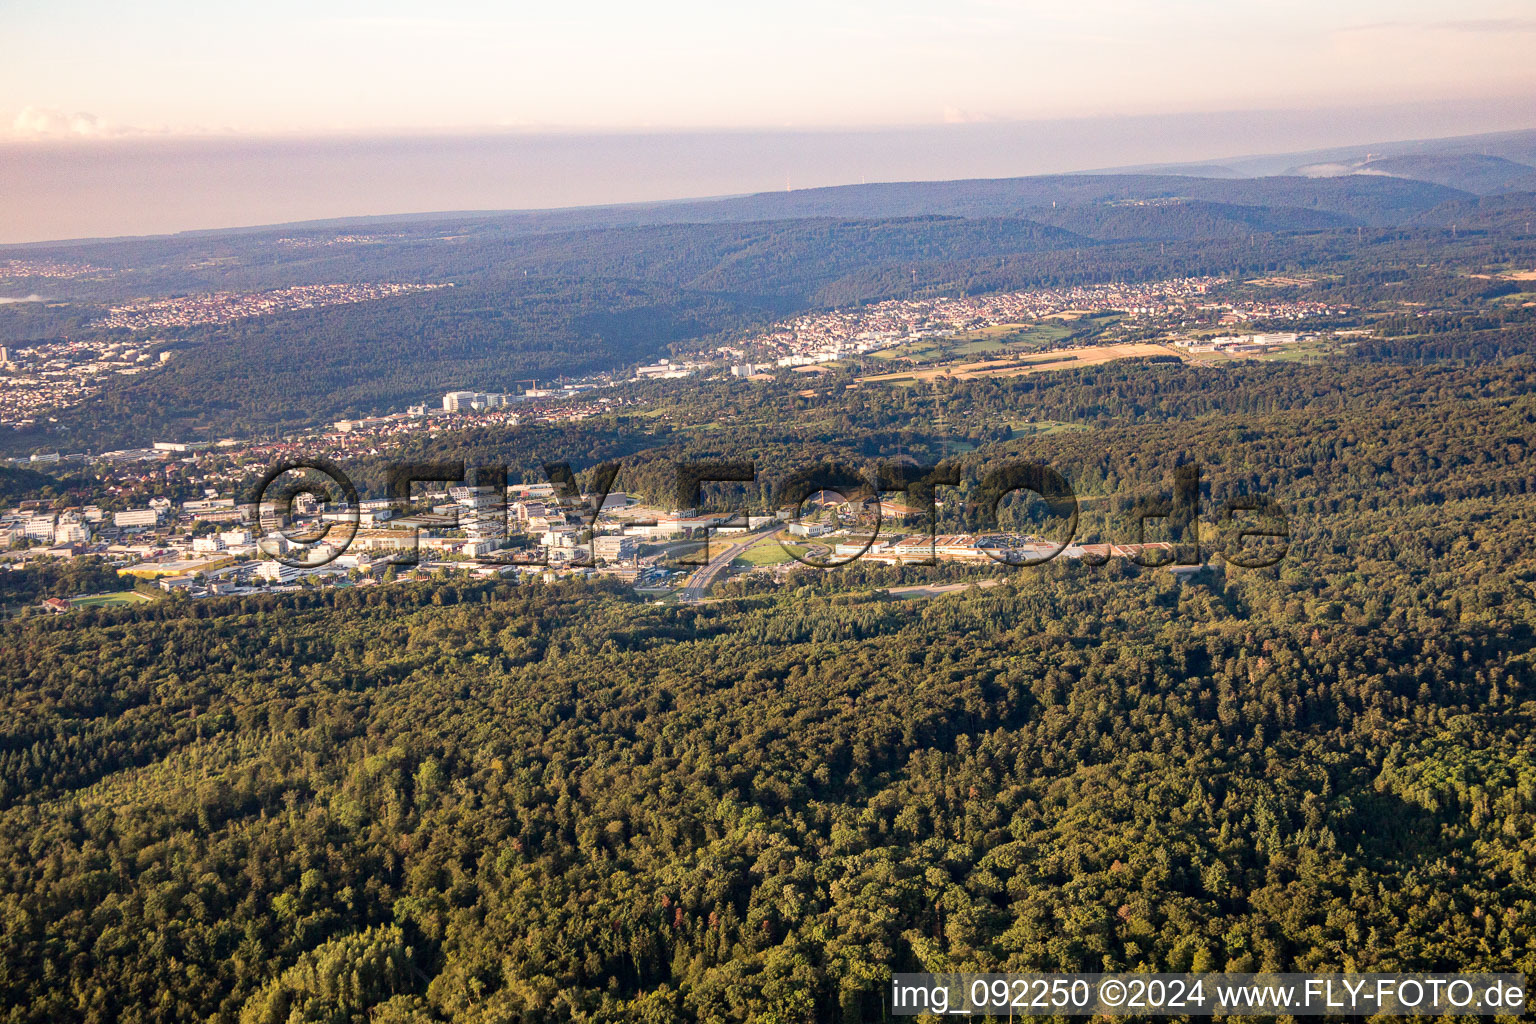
[{"x": 483, "y": 802}]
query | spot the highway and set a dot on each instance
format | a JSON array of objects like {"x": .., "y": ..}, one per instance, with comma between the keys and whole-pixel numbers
[{"x": 698, "y": 583}]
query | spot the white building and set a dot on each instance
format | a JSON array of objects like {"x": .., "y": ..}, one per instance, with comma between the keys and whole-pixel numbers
[
  {"x": 663, "y": 529},
  {"x": 277, "y": 572},
  {"x": 559, "y": 537},
  {"x": 482, "y": 511},
  {"x": 40, "y": 528},
  {"x": 614, "y": 547},
  {"x": 137, "y": 518},
  {"x": 664, "y": 370},
  {"x": 478, "y": 401}
]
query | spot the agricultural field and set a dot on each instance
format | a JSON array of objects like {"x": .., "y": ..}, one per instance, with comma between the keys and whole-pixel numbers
[
  {"x": 1059, "y": 359},
  {"x": 1303, "y": 352},
  {"x": 995, "y": 340},
  {"x": 1043, "y": 427},
  {"x": 1284, "y": 281}
]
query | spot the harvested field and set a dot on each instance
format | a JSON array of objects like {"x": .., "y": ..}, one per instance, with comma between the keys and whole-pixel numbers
[{"x": 1059, "y": 359}]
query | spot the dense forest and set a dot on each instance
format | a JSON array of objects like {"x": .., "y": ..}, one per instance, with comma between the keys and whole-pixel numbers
[
  {"x": 471, "y": 801},
  {"x": 18, "y": 483}
]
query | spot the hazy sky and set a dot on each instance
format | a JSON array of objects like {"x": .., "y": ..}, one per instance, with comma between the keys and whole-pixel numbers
[
  {"x": 102, "y": 67},
  {"x": 162, "y": 115}
]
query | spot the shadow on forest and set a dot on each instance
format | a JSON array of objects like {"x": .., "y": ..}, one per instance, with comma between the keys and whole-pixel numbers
[{"x": 1386, "y": 828}]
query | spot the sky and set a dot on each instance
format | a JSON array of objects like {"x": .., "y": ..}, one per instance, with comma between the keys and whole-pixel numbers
[
  {"x": 101, "y": 67},
  {"x": 87, "y": 85}
]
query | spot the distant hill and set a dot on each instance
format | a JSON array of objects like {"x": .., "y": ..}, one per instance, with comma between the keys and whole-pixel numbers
[
  {"x": 413, "y": 247},
  {"x": 1378, "y": 201},
  {"x": 467, "y": 247},
  {"x": 1186, "y": 220},
  {"x": 1467, "y": 172},
  {"x": 1516, "y": 146},
  {"x": 1524, "y": 183},
  {"x": 1470, "y": 172},
  {"x": 780, "y": 258},
  {"x": 1514, "y": 213}
]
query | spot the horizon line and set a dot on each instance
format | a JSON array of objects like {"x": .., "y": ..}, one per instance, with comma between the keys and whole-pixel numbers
[{"x": 129, "y": 134}]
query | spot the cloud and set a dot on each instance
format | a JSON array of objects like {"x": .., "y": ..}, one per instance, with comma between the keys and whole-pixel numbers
[
  {"x": 1497, "y": 26},
  {"x": 48, "y": 123},
  {"x": 1490, "y": 25},
  {"x": 411, "y": 26},
  {"x": 954, "y": 115},
  {"x": 6, "y": 300}
]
